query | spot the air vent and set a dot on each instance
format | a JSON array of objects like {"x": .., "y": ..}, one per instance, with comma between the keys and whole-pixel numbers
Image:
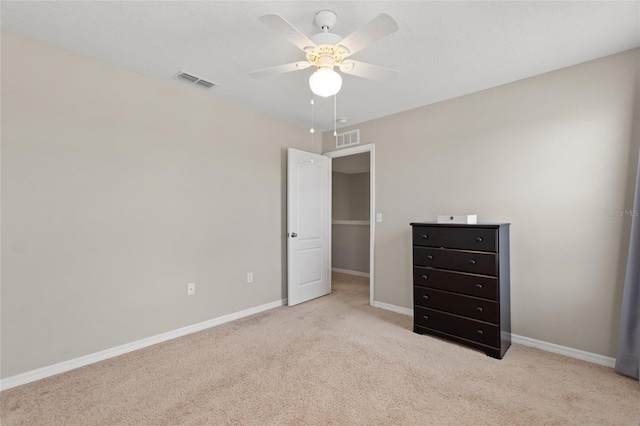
[
  {"x": 204, "y": 83},
  {"x": 348, "y": 138},
  {"x": 192, "y": 79}
]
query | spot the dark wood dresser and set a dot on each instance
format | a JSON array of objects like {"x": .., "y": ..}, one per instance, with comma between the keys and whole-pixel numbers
[{"x": 461, "y": 284}]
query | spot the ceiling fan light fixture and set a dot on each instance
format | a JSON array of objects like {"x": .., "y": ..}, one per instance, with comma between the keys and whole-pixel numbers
[{"x": 325, "y": 82}]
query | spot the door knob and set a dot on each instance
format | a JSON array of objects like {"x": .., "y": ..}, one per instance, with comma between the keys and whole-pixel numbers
[{"x": 293, "y": 235}]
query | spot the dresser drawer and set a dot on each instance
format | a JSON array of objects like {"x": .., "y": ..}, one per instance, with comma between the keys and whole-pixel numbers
[
  {"x": 467, "y": 306},
  {"x": 473, "y": 285},
  {"x": 456, "y": 260},
  {"x": 477, "y": 331},
  {"x": 469, "y": 238}
]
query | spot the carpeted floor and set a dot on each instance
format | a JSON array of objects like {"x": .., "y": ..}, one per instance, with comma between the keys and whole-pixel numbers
[{"x": 333, "y": 360}]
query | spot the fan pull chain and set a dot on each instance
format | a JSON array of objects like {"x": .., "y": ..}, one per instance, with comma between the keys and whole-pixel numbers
[{"x": 312, "y": 130}]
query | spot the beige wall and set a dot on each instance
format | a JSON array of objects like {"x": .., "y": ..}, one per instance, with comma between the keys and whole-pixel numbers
[
  {"x": 550, "y": 154},
  {"x": 360, "y": 193},
  {"x": 340, "y": 196},
  {"x": 117, "y": 191},
  {"x": 350, "y": 247},
  {"x": 350, "y": 196}
]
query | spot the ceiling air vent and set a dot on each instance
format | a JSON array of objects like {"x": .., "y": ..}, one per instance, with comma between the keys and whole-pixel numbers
[
  {"x": 204, "y": 83},
  {"x": 348, "y": 138},
  {"x": 192, "y": 79}
]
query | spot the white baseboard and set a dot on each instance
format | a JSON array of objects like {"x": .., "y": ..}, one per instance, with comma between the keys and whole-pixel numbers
[
  {"x": 393, "y": 308},
  {"x": 346, "y": 271},
  {"x": 564, "y": 350},
  {"x": 41, "y": 373},
  {"x": 527, "y": 341}
]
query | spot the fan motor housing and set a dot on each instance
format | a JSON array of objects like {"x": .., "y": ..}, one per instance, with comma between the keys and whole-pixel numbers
[
  {"x": 327, "y": 47},
  {"x": 326, "y": 38}
]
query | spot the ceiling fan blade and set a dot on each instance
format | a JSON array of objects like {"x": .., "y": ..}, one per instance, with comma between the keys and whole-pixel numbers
[
  {"x": 380, "y": 27},
  {"x": 280, "y": 69},
  {"x": 278, "y": 23},
  {"x": 368, "y": 71}
]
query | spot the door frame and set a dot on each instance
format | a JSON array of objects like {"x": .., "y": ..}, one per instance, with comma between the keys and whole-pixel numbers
[{"x": 371, "y": 149}]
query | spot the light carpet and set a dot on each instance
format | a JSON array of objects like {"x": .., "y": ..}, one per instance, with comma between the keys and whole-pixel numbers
[{"x": 333, "y": 360}]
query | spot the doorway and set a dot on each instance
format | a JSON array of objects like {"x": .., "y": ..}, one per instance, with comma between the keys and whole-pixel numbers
[{"x": 353, "y": 215}]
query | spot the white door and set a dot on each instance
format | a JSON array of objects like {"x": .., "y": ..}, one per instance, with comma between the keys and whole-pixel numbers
[{"x": 308, "y": 226}]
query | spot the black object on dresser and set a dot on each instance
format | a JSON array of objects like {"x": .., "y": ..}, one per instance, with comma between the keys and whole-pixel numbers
[{"x": 461, "y": 284}]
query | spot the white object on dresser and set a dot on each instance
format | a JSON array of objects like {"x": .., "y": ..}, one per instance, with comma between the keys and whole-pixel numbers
[{"x": 469, "y": 219}]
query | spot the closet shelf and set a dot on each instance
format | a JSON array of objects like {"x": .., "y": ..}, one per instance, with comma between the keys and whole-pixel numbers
[{"x": 350, "y": 222}]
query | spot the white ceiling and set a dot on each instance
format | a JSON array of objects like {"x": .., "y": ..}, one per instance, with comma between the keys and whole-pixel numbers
[{"x": 442, "y": 50}]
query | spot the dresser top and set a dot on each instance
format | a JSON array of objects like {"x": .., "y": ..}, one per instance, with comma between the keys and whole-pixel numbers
[{"x": 460, "y": 225}]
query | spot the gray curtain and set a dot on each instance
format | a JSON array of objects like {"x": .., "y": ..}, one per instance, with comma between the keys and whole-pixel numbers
[{"x": 628, "y": 358}]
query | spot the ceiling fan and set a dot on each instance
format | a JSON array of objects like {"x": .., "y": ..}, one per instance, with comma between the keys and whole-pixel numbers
[{"x": 326, "y": 50}]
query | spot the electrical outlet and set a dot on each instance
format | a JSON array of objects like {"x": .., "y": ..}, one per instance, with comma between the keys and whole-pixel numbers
[
  {"x": 250, "y": 277},
  {"x": 191, "y": 289}
]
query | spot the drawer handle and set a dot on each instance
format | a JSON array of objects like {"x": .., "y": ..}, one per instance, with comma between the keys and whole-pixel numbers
[
  {"x": 472, "y": 262},
  {"x": 479, "y": 332},
  {"x": 425, "y": 296},
  {"x": 480, "y": 309},
  {"x": 425, "y": 277},
  {"x": 425, "y": 317},
  {"x": 479, "y": 286},
  {"x": 479, "y": 240},
  {"x": 425, "y": 236},
  {"x": 430, "y": 257}
]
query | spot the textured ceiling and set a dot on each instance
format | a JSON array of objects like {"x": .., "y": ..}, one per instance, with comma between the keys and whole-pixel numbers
[{"x": 442, "y": 50}]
